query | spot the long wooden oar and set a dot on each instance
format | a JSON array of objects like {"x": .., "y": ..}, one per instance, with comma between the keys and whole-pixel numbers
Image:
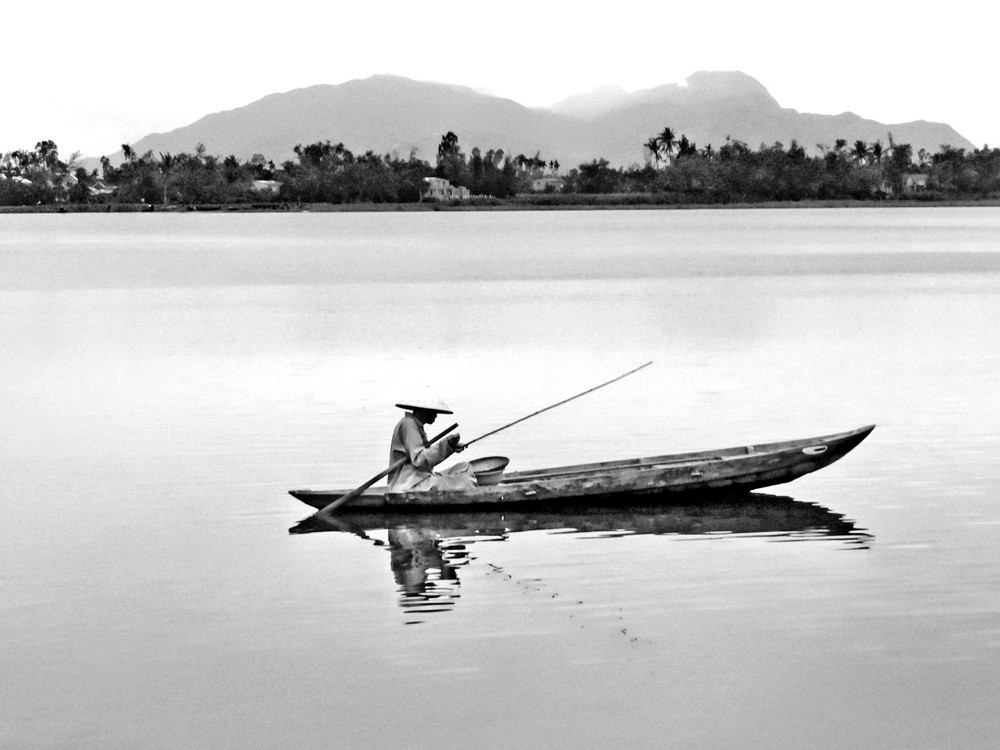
[
  {"x": 564, "y": 401},
  {"x": 324, "y": 513}
]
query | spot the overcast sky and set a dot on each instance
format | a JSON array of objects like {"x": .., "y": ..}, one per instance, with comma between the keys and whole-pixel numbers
[{"x": 94, "y": 75}]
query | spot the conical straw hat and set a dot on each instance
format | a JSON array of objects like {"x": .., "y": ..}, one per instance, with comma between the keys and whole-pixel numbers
[{"x": 425, "y": 398}]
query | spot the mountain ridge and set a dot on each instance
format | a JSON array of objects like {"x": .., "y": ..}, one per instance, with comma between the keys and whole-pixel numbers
[{"x": 394, "y": 114}]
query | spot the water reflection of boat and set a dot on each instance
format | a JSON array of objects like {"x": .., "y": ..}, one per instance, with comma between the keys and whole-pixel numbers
[
  {"x": 427, "y": 548},
  {"x": 752, "y": 513},
  {"x": 645, "y": 480}
]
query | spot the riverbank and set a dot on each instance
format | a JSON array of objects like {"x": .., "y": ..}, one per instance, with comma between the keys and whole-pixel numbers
[{"x": 574, "y": 202}]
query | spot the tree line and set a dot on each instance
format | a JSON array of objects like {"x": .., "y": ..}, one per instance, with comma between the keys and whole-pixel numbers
[
  {"x": 676, "y": 170},
  {"x": 679, "y": 171}
]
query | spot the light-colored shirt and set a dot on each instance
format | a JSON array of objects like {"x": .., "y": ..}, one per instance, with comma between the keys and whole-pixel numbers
[{"x": 409, "y": 441}]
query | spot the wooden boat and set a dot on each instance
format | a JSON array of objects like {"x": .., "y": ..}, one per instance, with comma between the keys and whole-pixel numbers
[{"x": 637, "y": 480}]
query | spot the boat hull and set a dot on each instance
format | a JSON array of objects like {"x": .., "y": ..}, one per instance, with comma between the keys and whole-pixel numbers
[{"x": 646, "y": 480}]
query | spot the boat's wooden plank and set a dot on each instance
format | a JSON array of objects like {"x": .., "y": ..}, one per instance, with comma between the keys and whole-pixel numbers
[{"x": 643, "y": 465}]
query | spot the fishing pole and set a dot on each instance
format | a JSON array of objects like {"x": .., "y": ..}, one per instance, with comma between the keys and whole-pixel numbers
[{"x": 553, "y": 406}]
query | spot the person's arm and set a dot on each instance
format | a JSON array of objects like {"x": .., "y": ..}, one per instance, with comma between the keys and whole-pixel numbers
[{"x": 423, "y": 457}]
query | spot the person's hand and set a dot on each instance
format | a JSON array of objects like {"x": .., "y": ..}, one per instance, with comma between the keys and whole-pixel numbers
[{"x": 454, "y": 441}]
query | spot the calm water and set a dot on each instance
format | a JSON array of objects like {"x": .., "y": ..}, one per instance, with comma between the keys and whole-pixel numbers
[{"x": 166, "y": 379}]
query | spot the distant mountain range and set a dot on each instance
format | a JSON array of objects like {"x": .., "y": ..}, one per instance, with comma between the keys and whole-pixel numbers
[{"x": 392, "y": 114}]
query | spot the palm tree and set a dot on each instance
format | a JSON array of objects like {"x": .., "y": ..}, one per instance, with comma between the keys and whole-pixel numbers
[
  {"x": 860, "y": 152},
  {"x": 167, "y": 164},
  {"x": 653, "y": 146},
  {"x": 877, "y": 151},
  {"x": 667, "y": 140}
]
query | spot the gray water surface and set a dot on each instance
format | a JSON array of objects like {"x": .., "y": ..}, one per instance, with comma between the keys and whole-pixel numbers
[{"x": 166, "y": 380}]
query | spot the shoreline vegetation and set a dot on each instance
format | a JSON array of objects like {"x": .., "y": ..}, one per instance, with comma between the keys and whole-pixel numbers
[{"x": 676, "y": 174}]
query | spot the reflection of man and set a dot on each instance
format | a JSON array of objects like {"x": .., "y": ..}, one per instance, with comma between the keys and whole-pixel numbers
[
  {"x": 427, "y": 581},
  {"x": 409, "y": 441},
  {"x": 414, "y": 552}
]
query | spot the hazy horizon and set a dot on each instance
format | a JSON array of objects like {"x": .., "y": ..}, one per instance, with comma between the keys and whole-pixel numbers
[{"x": 119, "y": 72}]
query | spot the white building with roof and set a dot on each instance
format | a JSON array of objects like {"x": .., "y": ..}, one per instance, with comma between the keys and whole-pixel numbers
[{"x": 441, "y": 189}]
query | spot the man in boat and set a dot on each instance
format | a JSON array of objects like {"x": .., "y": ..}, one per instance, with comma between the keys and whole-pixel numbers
[{"x": 409, "y": 441}]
